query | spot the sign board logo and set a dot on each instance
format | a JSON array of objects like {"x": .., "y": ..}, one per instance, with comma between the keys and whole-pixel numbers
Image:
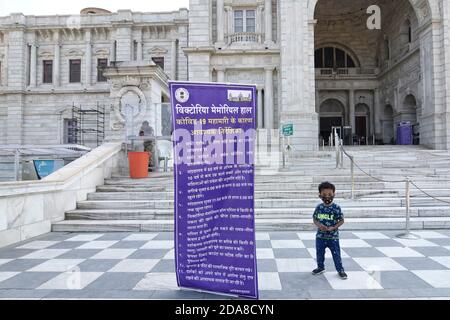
[
  {"x": 239, "y": 95},
  {"x": 182, "y": 95},
  {"x": 288, "y": 130}
]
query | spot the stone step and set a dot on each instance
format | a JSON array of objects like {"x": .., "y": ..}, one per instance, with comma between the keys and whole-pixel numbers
[
  {"x": 261, "y": 225},
  {"x": 365, "y": 186},
  {"x": 273, "y": 213},
  {"x": 345, "y": 178},
  {"x": 264, "y": 203},
  {"x": 258, "y": 194}
]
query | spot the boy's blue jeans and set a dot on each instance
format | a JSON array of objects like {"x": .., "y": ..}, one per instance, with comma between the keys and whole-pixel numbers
[{"x": 333, "y": 245}]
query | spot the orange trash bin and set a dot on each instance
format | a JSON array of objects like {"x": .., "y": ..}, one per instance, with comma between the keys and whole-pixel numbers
[{"x": 138, "y": 162}]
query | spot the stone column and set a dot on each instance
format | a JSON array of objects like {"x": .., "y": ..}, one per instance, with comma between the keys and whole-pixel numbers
[
  {"x": 268, "y": 20},
  {"x": 220, "y": 21},
  {"x": 174, "y": 58},
  {"x": 112, "y": 52},
  {"x": 351, "y": 104},
  {"x": 5, "y": 68},
  {"x": 57, "y": 62},
  {"x": 260, "y": 113},
  {"x": 259, "y": 20},
  {"x": 377, "y": 112},
  {"x": 372, "y": 122},
  {"x": 33, "y": 65},
  {"x": 230, "y": 22},
  {"x": 268, "y": 99},
  {"x": 220, "y": 75},
  {"x": 88, "y": 62},
  {"x": 139, "y": 55}
]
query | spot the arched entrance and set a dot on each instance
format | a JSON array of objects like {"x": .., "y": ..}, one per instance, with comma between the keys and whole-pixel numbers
[
  {"x": 331, "y": 114},
  {"x": 351, "y": 58},
  {"x": 409, "y": 113},
  {"x": 362, "y": 123}
]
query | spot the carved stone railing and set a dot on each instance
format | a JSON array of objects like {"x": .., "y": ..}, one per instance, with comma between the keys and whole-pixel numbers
[
  {"x": 244, "y": 37},
  {"x": 344, "y": 72}
]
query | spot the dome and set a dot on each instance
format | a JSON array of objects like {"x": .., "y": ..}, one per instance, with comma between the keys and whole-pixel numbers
[{"x": 92, "y": 10}]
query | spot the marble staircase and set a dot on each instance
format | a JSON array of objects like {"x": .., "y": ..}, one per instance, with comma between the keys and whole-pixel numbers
[{"x": 285, "y": 200}]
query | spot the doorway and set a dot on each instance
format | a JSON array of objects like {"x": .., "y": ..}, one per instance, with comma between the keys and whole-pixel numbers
[
  {"x": 361, "y": 129},
  {"x": 326, "y": 125}
]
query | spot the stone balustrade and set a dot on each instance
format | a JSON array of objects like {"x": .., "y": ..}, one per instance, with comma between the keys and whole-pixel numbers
[
  {"x": 28, "y": 208},
  {"x": 240, "y": 37}
]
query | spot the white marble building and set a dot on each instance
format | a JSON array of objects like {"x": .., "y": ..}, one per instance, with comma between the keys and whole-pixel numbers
[
  {"x": 49, "y": 63},
  {"x": 315, "y": 62},
  {"x": 318, "y": 65}
]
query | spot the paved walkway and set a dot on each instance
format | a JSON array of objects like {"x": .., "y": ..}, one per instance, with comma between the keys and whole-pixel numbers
[{"x": 141, "y": 266}]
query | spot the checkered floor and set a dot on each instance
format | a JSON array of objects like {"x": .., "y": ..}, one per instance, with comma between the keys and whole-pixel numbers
[{"x": 141, "y": 266}]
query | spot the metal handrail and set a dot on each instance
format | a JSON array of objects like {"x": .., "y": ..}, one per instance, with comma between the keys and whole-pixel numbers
[{"x": 340, "y": 151}]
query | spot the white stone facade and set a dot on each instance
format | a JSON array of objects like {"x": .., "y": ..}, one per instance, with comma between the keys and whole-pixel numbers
[
  {"x": 374, "y": 80},
  {"x": 400, "y": 73},
  {"x": 33, "y": 112}
]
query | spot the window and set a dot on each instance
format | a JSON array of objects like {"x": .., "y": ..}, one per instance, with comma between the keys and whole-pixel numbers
[
  {"x": 101, "y": 64},
  {"x": 70, "y": 131},
  {"x": 75, "y": 71},
  {"x": 159, "y": 61},
  {"x": 406, "y": 32},
  {"x": 250, "y": 21},
  {"x": 387, "y": 50},
  {"x": 332, "y": 58},
  {"x": 48, "y": 71},
  {"x": 244, "y": 21},
  {"x": 135, "y": 50},
  {"x": 239, "y": 21}
]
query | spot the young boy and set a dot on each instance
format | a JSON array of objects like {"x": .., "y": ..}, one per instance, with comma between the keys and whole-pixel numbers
[{"x": 328, "y": 218}]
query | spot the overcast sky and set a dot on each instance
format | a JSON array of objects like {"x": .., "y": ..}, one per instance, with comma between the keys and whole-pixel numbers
[{"x": 46, "y": 7}]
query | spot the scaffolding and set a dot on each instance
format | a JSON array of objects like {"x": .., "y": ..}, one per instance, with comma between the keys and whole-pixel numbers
[{"x": 88, "y": 125}]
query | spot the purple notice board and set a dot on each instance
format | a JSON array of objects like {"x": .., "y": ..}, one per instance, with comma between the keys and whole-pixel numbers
[{"x": 214, "y": 141}]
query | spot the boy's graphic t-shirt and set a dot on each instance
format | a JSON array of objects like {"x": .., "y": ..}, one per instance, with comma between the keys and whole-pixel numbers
[{"x": 329, "y": 217}]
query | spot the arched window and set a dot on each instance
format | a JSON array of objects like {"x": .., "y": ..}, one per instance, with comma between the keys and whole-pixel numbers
[
  {"x": 387, "y": 49},
  {"x": 406, "y": 32},
  {"x": 332, "y": 57}
]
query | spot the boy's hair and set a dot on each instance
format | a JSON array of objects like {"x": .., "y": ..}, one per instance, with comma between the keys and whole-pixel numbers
[{"x": 327, "y": 185}]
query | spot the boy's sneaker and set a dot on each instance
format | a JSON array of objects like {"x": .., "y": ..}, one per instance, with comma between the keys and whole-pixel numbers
[
  {"x": 343, "y": 275},
  {"x": 318, "y": 271}
]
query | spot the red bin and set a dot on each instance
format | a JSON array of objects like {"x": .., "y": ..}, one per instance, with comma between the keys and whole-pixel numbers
[{"x": 138, "y": 162}]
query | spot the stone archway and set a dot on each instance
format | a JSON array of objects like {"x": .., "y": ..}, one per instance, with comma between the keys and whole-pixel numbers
[
  {"x": 331, "y": 114},
  {"x": 330, "y": 17},
  {"x": 426, "y": 10},
  {"x": 362, "y": 122},
  {"x": 299, "y": 94},
  {"x": 409, "y": 113}
]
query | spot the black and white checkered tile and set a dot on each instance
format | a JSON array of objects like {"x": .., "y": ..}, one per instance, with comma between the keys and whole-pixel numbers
[{"x": 124, "y": 265}]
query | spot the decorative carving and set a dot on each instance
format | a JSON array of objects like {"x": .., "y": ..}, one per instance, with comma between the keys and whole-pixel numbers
[
  {"x": 128, "y": 97},
  {"x": 102, "y": 52},
  {"x": 46, "y": 55},
  {"x": 74, "y": 53},
  {"x": 157, "y": 51}
]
